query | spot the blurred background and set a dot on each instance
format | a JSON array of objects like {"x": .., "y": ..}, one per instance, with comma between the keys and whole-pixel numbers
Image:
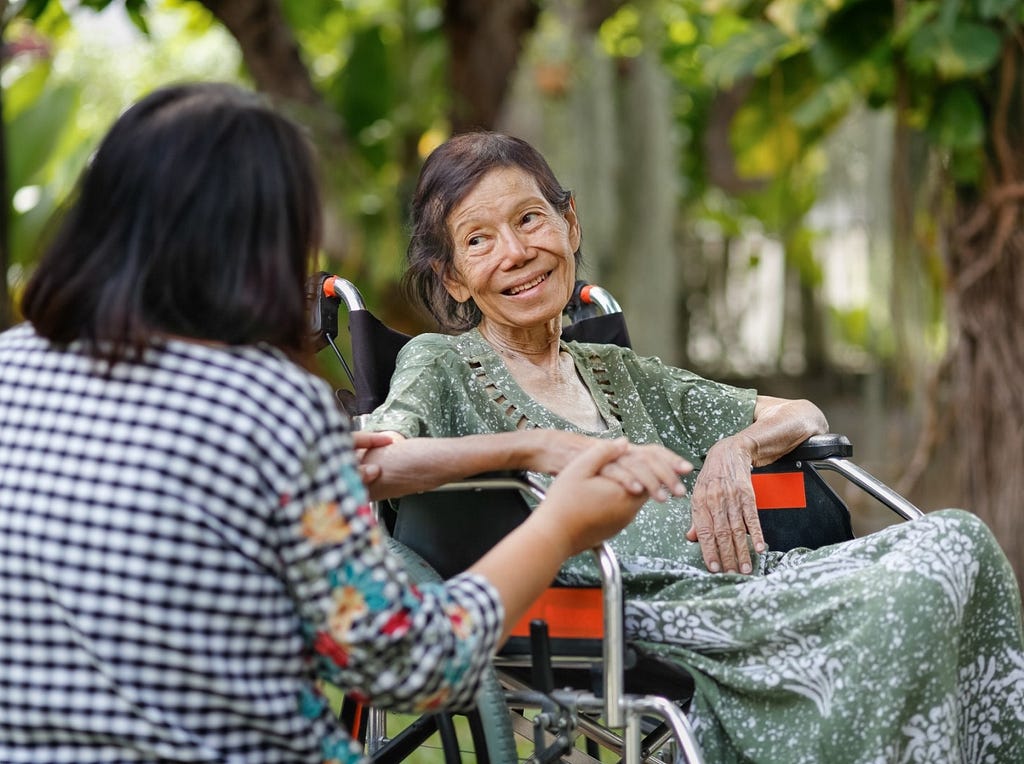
[{"x": 817, "y": 198}]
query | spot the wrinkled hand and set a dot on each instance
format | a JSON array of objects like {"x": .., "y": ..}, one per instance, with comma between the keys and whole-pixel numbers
[
  {"x": 724, "y": 510},
  {"x": 650, "y": 470},
  {"x": 583, "y": 505},
  {"x": 364, "y": 441}
]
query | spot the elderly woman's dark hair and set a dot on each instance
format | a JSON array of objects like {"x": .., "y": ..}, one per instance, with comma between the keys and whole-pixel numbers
[
  {"x": 198, "y": 216},
  {"x": 450, "y": 172}
]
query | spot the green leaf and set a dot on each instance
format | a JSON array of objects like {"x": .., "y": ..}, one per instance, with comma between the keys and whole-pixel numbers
[
  {"x": 136, "y": 10},
  {"x": 967, "y": 167},
  {"x": 798, "y": 17},
  {"x": 367, "y": 90},
  {"x": 829, "y": 99},
  {"x": 998, "y": 9},
  {"x": 966, "y": 50},
  {"x": 957, "y": 121},
  {"x": 749, "y": 53},
  {"x": 764, "y": 146},
  {"x": 918, "y": 14},
  {"x": 28, "y": 227},
  {"x": 24, "y": 91},
  {"x": 32, "y": 134}
]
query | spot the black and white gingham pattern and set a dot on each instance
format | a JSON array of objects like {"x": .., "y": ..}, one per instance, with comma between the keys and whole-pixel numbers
[{"x": 154, "y": 582}]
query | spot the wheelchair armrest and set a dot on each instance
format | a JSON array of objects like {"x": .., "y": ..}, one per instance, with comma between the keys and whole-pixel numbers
[
  {"x": 821, "y": 447},
  {"x": 496, "y": 479}
]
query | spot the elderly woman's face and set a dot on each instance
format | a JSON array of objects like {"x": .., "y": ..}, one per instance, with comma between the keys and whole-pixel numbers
[{"x": 513, "y": 252}]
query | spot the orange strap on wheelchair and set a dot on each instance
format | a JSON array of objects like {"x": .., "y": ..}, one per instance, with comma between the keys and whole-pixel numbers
[
  {"x": 779, "y": 490},
  {"x": 570, "y": 614}
]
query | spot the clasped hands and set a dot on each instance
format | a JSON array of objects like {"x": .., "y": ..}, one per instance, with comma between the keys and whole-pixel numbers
[{"x": 723, "y": 507}]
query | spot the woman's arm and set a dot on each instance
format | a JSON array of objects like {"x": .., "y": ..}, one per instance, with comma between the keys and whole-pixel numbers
[
  {"x": 410, "y": 647},
  {"x": 393, "y": 465},
  {"x": 724, "y": 510}
]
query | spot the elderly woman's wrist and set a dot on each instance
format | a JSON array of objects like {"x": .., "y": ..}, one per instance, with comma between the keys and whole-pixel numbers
[{"x": 740, "y": 443}]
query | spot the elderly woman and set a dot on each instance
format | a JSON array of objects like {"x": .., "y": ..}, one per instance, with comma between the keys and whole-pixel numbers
[{"x": 905, "y": 645}]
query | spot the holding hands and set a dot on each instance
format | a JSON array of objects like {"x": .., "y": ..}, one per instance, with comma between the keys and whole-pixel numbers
[{"x": 601, "y": 489}]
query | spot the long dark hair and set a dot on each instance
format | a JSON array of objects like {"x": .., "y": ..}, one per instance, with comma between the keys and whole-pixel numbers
[
  {"x": 198, "y": 216},
  {"x": 451, "y": 171}
]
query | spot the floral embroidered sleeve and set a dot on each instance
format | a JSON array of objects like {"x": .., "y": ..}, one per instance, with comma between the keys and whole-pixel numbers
[{"x": 367, "y": 627}]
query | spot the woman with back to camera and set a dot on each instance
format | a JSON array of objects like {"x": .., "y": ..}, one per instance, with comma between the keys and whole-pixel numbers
[
  {"x": 905, "y": 645},
  {"x": 186, "y": 551}
]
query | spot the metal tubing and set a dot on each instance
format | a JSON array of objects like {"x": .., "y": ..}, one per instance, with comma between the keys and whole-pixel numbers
[
  {"x": 874, "y": 487},
  {"x": 614, "y": 642},
  {"x": 348, "y": 293},
  {"x": 376, "y": 729},
  {"x": 611, "y": 591},
  {"x": 604, "y": 300},
  {"x": 676, "y": 719},
  {"x": 632, "y": 738}
]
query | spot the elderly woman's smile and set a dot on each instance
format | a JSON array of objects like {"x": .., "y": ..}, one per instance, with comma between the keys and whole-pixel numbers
[{"x": 519, "y": 289}]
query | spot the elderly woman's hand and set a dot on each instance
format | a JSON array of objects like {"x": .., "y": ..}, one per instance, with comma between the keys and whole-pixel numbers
[
  {"x": 724, "y": 510},
  {"x": 583, "y": 506},
  {"x": 640, "y": 469}
]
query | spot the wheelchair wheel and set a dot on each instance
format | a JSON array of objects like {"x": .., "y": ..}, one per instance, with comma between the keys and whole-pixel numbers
[{"x": 483, "y": 735}]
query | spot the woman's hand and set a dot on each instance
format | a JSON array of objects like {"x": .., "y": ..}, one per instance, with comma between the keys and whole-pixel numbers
[
  {"x": 363, "y": 442},
  {"x": 640, "y": 469},
  {"x": 583, "y": 505},
  {"x": 723, "y": 508}
]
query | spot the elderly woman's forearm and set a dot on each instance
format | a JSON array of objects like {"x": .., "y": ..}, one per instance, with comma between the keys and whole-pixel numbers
[
  {"x": 779, "y": 426},
  {"x": 420, "y": 464}
]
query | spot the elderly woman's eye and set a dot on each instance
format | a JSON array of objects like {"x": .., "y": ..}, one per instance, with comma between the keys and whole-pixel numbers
[{"x": 473, "y": 241}]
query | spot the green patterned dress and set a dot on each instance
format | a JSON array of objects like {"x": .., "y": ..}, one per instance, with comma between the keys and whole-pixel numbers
[{"x": 902, "y": 646}]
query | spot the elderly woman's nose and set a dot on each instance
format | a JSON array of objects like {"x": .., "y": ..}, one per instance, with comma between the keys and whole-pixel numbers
[{"x": 513, "y": 247}]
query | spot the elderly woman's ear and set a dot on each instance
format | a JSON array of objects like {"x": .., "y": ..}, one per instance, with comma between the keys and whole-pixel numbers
[
  {"x": 452, "y": 283},
  {"x": 575, "y": 234}
]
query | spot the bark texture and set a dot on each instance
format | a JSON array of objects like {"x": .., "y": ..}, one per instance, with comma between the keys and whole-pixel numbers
[
  {"x": 485, "y": 38},
  {"x": 987, "y": 280}
]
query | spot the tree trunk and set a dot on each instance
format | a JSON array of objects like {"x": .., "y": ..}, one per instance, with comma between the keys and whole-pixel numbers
[
  {"x": 268, "y": 47},
  {"x": 271, "y": 56},
  {"x": 484, "y": 41},
  {"x": 987, "y": 277}
]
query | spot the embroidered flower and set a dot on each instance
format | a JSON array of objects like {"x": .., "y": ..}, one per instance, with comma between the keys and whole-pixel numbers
[
  {"x": 322, "y": 523},
  {"x": 329, "y": 648},
  {"x": 349, "y": 604}
]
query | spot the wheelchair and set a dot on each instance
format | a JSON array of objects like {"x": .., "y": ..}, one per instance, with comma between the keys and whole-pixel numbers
[{"x": 567, "y": 662}]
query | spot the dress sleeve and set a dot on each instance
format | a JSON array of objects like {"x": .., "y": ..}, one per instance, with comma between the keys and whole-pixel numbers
[
  {"x": 703, "y": 410},
  {"x": 367, "y": 628},
  {"x": 420, "y": 399}
]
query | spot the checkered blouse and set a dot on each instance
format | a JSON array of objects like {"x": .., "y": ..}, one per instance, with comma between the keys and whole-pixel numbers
[{"x": 186, "y": 552}]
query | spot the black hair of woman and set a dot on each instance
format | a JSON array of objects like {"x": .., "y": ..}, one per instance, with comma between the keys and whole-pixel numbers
[
  {"x": 450, "y": 172},
  {"x": 198, "y": 216}
]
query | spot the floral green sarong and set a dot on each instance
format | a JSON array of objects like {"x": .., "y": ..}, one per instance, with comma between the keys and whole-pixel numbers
[{"x": 902, "y": 646}]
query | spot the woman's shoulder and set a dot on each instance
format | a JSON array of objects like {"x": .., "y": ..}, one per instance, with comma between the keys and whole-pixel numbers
[
  {"x": 432, "y": 348},
  {"x": 604, "y": 353},
  {"x": 259, "y": 376}
]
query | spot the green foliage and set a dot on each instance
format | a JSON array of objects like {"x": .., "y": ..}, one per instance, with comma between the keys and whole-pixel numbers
[
  {"x": 38, "y": 119},
  {"x": 799, "y": 67}
]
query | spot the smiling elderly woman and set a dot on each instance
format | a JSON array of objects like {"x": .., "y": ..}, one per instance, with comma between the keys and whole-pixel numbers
[{"x": 905, "y": 645}]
